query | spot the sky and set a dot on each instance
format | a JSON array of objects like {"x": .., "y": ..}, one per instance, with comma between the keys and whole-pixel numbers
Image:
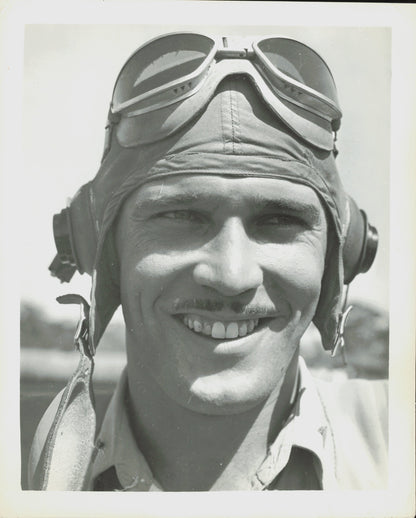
[{"x": 69, "y": 72}]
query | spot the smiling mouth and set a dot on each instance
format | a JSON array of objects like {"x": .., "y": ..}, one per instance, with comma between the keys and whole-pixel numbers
[{"x": 220, "y": 329}]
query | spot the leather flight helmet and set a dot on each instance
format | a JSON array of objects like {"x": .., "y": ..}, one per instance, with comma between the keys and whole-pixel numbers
[{"x": 235, "y": 133}]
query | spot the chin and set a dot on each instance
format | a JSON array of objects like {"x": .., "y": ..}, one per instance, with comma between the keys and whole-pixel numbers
[{"x": 213, "y": 396}]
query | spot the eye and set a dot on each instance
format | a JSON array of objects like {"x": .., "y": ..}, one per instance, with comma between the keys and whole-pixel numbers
[
  {"x": 281, "y": 220},
  {"x": 182, "y": 215}
]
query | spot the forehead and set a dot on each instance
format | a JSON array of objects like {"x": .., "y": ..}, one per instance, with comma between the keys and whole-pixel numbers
[{"x": 226, "y": 192}]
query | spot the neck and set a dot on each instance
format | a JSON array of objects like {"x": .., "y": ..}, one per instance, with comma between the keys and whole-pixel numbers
[{"x": 189, "y": 451}]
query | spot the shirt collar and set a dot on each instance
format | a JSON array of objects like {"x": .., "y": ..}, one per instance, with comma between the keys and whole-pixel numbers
[
  {"x": 116, "y": 446},
  {"x": 306, "y": 427}
]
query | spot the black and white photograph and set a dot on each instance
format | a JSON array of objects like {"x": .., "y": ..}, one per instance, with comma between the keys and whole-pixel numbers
[{"x": 210, "y": 295}]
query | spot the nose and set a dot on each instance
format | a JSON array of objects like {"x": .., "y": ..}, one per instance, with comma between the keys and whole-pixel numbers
[{"x": 228, "y": 263}]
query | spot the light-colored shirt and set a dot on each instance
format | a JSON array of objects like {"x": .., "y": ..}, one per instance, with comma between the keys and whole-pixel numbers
[{"x": 335, "y": 438}]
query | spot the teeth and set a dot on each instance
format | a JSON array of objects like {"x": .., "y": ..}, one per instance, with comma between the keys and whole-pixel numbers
[
  {"x": 232, "y": 330},
  {"x": 218, "y": 330},
  {"x": 206, "y": 330},
  {"x": 197, "y": 326},
  {"x": 221, "y": 330},
  {"x": 242, "y": 330}
]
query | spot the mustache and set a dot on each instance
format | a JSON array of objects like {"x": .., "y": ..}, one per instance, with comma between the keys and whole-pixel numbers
[{"x": 237, "y": 307}]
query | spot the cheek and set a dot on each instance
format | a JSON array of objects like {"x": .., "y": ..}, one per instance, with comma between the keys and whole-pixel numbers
[
  {"x": 297, "y": 269},
  {"x": 151, "y": 270},
  {"x": 143, "y": 255},
  {"x": 146, "y": 281},
  {"x": 306, "y": 276}
]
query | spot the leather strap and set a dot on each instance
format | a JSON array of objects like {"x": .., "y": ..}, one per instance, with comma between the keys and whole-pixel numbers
[{"x": 62, "y": 461}]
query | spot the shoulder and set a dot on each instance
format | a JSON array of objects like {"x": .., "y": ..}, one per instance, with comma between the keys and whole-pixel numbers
[
  {"x": 364, "y": 402},
  {"x": 357, "y": 414}
]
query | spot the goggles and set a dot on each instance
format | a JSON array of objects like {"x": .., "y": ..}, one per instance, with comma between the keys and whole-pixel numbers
[{"x": 169, "y": 80}]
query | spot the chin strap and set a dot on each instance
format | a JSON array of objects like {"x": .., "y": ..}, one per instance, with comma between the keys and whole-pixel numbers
[
  {"x": 339, "y": 341},
  {"x": 62, "y": 461}
]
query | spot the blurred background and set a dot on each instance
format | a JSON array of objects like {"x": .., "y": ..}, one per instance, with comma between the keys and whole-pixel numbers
[{"x": 69, "y": 72}]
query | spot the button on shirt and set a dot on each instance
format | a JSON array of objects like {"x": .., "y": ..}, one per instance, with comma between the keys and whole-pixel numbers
[{"x": 306, "y": 454}]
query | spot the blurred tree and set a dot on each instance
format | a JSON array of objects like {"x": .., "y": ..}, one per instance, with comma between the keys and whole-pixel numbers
[
  {"x": 366, "y": 350},
  {"x": 37, "y": 331},
  {"x": 367, "y": 343}
]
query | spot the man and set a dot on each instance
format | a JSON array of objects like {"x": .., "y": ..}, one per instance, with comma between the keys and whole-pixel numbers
[{"x": 219, "y": 222}]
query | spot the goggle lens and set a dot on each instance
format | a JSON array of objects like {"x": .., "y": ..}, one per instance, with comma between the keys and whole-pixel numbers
[
  {"x": 300, "y": 63},
  {"x": 160, "y": 63}
]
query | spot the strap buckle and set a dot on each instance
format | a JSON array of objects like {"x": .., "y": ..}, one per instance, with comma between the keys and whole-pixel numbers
[
  {"x": 339, "y": 342},
  {"x": 81, "y": 337}
]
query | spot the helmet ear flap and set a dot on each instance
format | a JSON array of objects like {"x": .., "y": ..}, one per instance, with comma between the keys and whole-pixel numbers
[
  {"x": 360, "y": 244},
  {"x": 75, "y": 237}
]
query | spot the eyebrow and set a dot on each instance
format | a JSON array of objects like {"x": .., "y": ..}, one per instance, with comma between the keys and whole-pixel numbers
[
  {"x": 309, "y": 210},
  {"x": 259, "y": 202},
  {"x": 164, "y": 202}
]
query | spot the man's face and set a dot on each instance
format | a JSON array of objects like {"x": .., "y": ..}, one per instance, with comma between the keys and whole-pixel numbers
[{"x": 220, "y": 277}]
